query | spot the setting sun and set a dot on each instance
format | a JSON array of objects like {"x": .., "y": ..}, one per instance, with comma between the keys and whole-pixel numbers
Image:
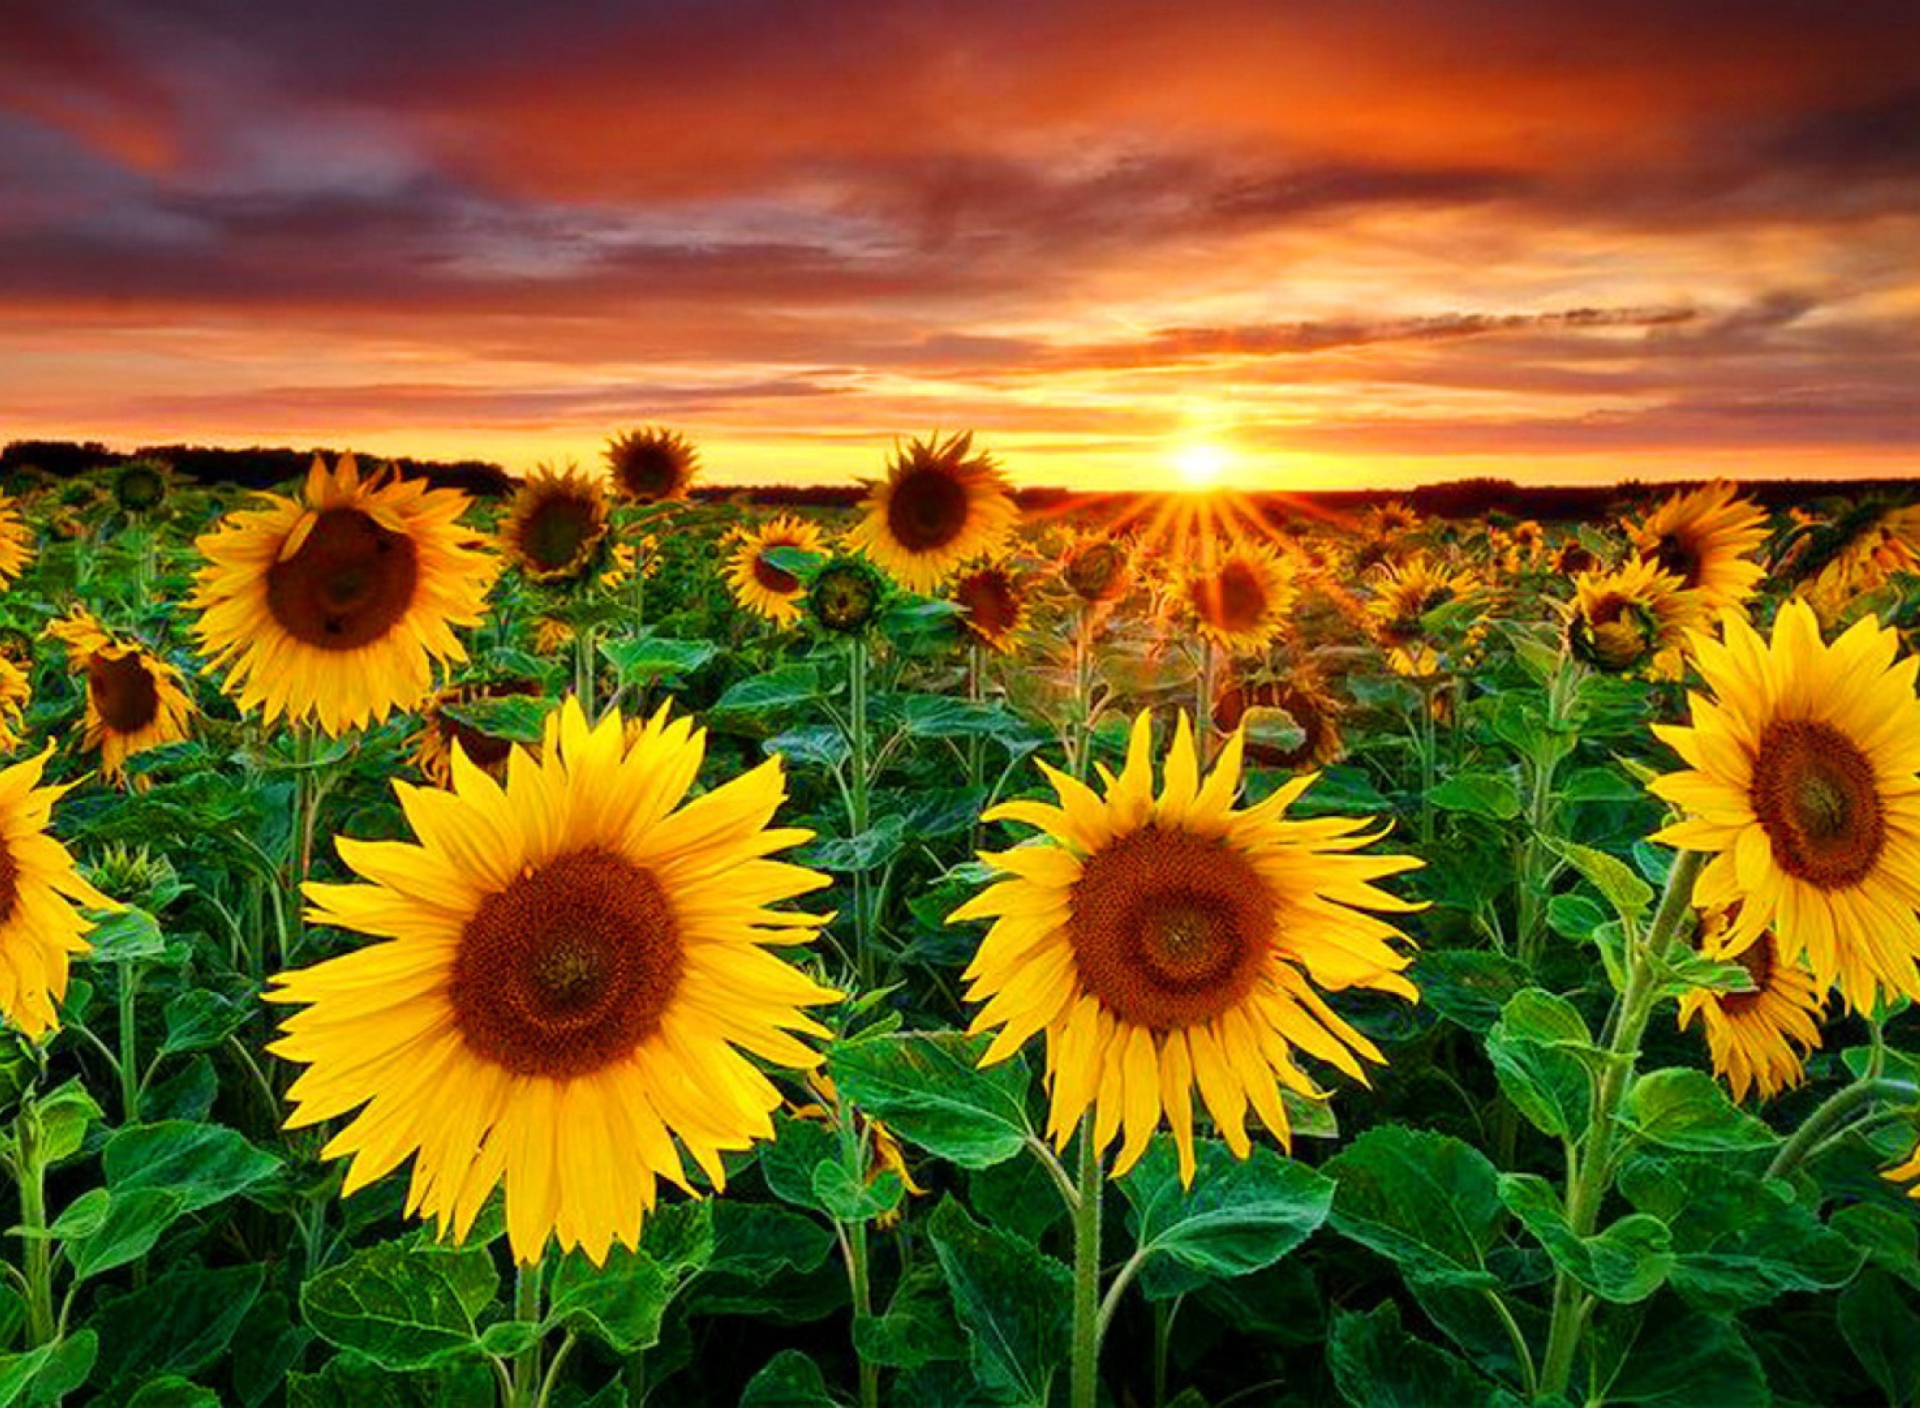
[{"x": 1200, "y": 466}]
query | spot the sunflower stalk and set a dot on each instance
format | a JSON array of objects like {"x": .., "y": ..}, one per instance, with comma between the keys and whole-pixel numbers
[
  {"x": 853, "y": 1242},
  {"x": 860, "y": 788},
  {"x": 1832, "y": 1113},
  {"x": 1590, "y": 1165},
  {"x": 28, "y": 1164},
  {"x": 1087, "y": 1319},
  {"x": 528, "y": 1377},
  {"x": 1203, "y": 700},
  {"x": 128, "y": 1066}
]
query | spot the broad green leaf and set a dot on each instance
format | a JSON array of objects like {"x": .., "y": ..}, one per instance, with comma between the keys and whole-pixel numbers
[
  {"x": 1657, "y": 1360},
  {"x": 1630, "y": 896},
  {"x": 763, "y": 1243},
  {"x": 64, "y": 1114},
  {"x": 620, "y": 1303},
  {"x": 1240, "y": 1214},
  {"x": 1377, "y": 1364},
  {"x": 125, "y": 935},
  {"x": 847, "y": 1197},
  {"x": 929, "y": 1090},
  {"x": 172, "y": 1391},
  {"x": 1888, "y": 1237},
  {"x": 789, "y": 1380},
  {"x": 18, "y": 1371},
  {"x": 1467, "y": 986},
  {"x": 1013, "y": 1301},
  {"x": 82, "y": 1216},
  {"x": 348, "y": 1381},
  {"x": 852, "y": 855},
  {"x": 512, "y": 718},
  {"x": 1426, "y": 1201},
  {"x": 942, "y": 716},
  {"x": 1575, "y": 917},
  {"x": 203, "y": 1163},
  {"x": 133, "y": 1222},
  {"x": 69, "y": 1364},
  {"x": 1601, "y": 784},
  {"x": 817, "y": 745},
  {"x": 1478, "y": 794},
  {"x": 1678, "y": 1108},
  {"x": 918, "y": 1328},
  {"x": 787, "y": 687},
  {"x": 1880, "y": 1319},
  {"x": 1542, "y": 1052},
  {"x": 1624, "y": 1263},
  {"x": 650, "y": 657},
  {"x": 182, "y": 1321},
  {"x": 403, "y": 1307},
  {"x": 200, "y": 1018},
  {"x": 789, "y": 1164}
]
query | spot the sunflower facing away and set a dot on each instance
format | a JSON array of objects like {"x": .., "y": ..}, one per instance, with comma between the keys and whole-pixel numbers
[
  {"x": 769, "y": 591},
  {"x": 1704, "y": 538},
  {"x": 1097, "y": 569},
  {"x": 1801, "y": 784},
  {"x": 995, "y": 601},
  {"x": 1304, "y": 700},
  {"x": 652, "y": 465},
  {"x": 335, "y": 606},
  {"x": 135, "y": 700},
  {"x": 16, "y": 541},
  {"x": 1240, "y": 599},
  {"x": 940, "y": 505},
  {"x": 1751, "y": 1035},
  {"x": 1173, "y": 942},
  {"x": 556, "y": 524},
  {"x": 574, "y": 970},
  {"x": 40, "y": 929}
]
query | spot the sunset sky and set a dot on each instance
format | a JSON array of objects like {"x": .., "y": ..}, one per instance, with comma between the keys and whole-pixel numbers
[{"x": 1337, "y": 245}]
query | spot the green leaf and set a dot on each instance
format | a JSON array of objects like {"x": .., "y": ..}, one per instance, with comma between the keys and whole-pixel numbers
[
  {"x": 1685, "y": 1109},
  {"x": 853, "y": 855},
  {"x": 918, "y": 1328},
  {"x": 1542, "y": 1052},
  {"x": 124, "y": 936},
  {"x": 1630, "y": 896},
  {"x": 64, "y": 1113},
  {"x": 652, "y": 657},
  {"x": 179, "y": 1324},
  {"x": 1478, "y": 794},
  {"x": 788, "y": 1380},
  {"x": 172, "y": 1391},
  {"x": 134, "y": 1220},
  {"x": 787, "y": 687},
  {"x": 512, "y": 718},
  {"x": 849, "y": 1198},
  {"x": 1601, "y": 784},
  {"x": 1426, "y": 1201},
  {"x": 203, "y": 1163},
  {"x": 200, "y": 1018},
  {"x": 349, "y": 1381},
  {"x": 1467, "y": 986},
  {"x": 1240, "y": 1214},
  {"x": 621, "y": 1303},
  {"x": 1014, "y": 1303},
  {"x": 68, "y": 1366},
  {"x": 1684, "y": 971},
  {"x": 1575, "y": 917},
  {"x": 929, "y": 1089},
  {"x": 799, "y": 1149},
  {"x": 18, "y": 1371},
  {"x": 1678, "y": 1361},
  {"x": 818, "y": 745},
  {"x": 1889, "y": 1238},
  {"x": 1377, "y": 1364},
  {"x": 760, "y": 1242},
  {"x": 1880, "y": 1320},
  {"x": 942, "y": 716},
  {"x": 403, "y": 1307},
  {"x": 1626, "y": 1262}
]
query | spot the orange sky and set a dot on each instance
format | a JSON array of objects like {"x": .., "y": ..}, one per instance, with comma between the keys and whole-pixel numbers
[{"x": 1341, "y": 245}]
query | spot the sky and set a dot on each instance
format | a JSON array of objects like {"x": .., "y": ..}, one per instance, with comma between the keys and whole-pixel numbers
[{"x": 1327, "y": 245}]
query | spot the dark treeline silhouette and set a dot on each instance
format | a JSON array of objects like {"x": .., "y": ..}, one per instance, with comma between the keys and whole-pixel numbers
[{"x": 259, "y": 467}]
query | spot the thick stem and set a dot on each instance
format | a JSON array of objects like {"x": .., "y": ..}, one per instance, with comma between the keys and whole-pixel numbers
[
  {"x": 1086, "y": 1272},
  {"x": 585, "y": 664},
  {"x": 37, "y": 1257},
  {"x": 1203, "y": 701},
  {"x": 528, "y": 1374},
  {"x": 861, "y": 788},
  {"x": 1080, "y": 724},
  {"x": 1831, "y": 1114},
  {"x": 129, "y": 1044},
  {"x": 853, "y": 1156}
]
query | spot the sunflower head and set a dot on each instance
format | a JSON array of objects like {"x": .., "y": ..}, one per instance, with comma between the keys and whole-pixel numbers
[
  {"x": 1620, "y": 620},
  {"x": 1173, "y": 941},
  {"x": 135, "y": 699},
  {"x": 1752, "y": 1036},
  {"x": 140, "y": 486},
  {"x": 1574, "y": 558},
  {"x": 572, "y": 970},
  {"x": 1240, "y": 598},
  {"x": 556, "y": 525},
  {"x": 1704, "y": 538},
  {"x": 942, "y": 503},
  {"x": 845, "y": 596},
  {"x": 16, "y": 540},
  {"x": 652, "y": 465},
  {"x": 1304, "y": 701},
  {"x": 440, "y": 730},
  {"x": 336, "y": 606},
  {"x": 995, "y": 602},
  {"x": 1405, "y": 593},
  {"x": 139, "y": 876},
  {"x": 1097, "y": 569},
  {"x": 762, "y": 586}
]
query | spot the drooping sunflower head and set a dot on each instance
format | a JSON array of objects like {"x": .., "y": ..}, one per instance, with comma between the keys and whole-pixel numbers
[
  {"x": 440, "y": 730},
  {"x": 135, "y": 699},
  {"x": 16, "y": 541},
  {"x": 1097, "y": 569},
  {"x": 1801, "y": 786},
  {"x": 1305, "y": 702},
  {"x": 556, "y": 525},
  {"x": 762, "y": 586},
  {"x": 652, "y": 465},
  {"x": 845, "y": 595},
  {"x": 1239, "y": 599},
  {"x": 40, "y": 927},
  {"x": 1620, "y": 620},
  {"x": 1575, "y": 558},
  {"x": 1173, "y": 941},
  {"x": 1404, "y": 593},
  {"x": 571, "y": 973},
  {"x": 1856, "y": 552},
  {"x": 335, "y": 606},
  {"x": 1705, "y": 538},
  {"x": 942, "y": 503},
  {"x": 140, "y": 486},
  {"x": 1752, "y": 1036},
  {"x": 994, "y": 599}
]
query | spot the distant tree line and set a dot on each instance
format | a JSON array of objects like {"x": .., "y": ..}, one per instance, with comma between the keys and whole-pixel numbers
[{"x": 257, "y": 467}]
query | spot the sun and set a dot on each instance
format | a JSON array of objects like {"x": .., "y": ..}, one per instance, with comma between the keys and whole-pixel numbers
[{"x": 1200, "y": 466}]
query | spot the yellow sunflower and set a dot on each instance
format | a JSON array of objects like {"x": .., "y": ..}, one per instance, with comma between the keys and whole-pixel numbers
[
  {"x": 16, "y": 692},
  {"x": 770, "y": 592},
  {"x": 1704, "y": 539},
  {"x": 1625, "y": 619},
  {"x": 40, "y": 929},
  {"x": 439, "y": 731},
  {"x": 135, "y": 700},
  {"x": 1097, "y": 569},
  {"x": 940, "y": 505},
  {"x": 995, "y": 602},
  {"x": 1169, "y": 942},
  {"x": 556, "y": 524},
  {"x": 1862, "y": 550},
  {"x": 1751, "y": 1035},
  {"x": 16, "y": 541},
  {"x": 1801, "y": 783},
  {"x": 1303, "y": 698},
  {"x": 1240, "y": 598},
  {"x": 652, "y": 465},
  {"x": 335, "y": 606},
  {"x": 575, "y": 969},
  {"x": 1405, "y": 592}
]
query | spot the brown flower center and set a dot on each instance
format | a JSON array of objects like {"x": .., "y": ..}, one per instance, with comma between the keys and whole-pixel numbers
[
  {"x": 1234, "y": 599},
  {"x": 1680, "y": 556},
  {"x": 1758, "y": 959},
  {"x": 1813, "y": 791},
  {"x": 350, "y": 583},
  {"x": 777, "y": 580},
  {"x": 122, "y": 691},
  {"x": 992, "y": 604},
  {"x": 927, "y": 509},
  {"x": 1096, "y": 571},
  {"x": 569, "y": 968},
  {"x": 9, "y": 882},
  {"x": 558, "y": 532},
  {"x": 1168, "y": 928}
]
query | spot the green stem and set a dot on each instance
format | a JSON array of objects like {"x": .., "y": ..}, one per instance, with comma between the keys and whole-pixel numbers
[
  {"x": 976, "y": 694},
  {"x": 1589, "y": 1175},
  {"x": 129, "y": 1044},
  {"x": 853, "y": 1153},
  {"x": 1080, "y": 723},
  {"x": 37, "y": 1270},
  {"x": 1203, "y": 702},
  {"x": 584, "y": 663},
  {"x": 1427, "y": 742},
  {"x": 528, "y": 1375},
  {"x": 1521, "y": 1354},
  {"x": 1086, "y": 1272},
  {"x": 1837, "y": 1107},
  {"x": 861, "y": 783},
  {"x": 1163, "y": 1313}
]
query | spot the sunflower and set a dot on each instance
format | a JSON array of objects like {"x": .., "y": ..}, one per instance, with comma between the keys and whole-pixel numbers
[
  {"x": 40, "y": 929},
  {"x": 140, "y": 486},
  {"x": 940, "y": 505},
  {"x": 652, "y": 465},
  {"x": 1240, "y": 598},
  {"x": 1801, "y": 784},
  {"x": 1858, "y": 552},
  {"x": 336, "y": 606},
  {"x": 16, "y": 541},
  {"x": 1624, "y": 619},
  {"x": 1163, "y": 943},
  {"x": 135, "y": 700},
  {"x": 1097, "y": 569},
  {"x": 440, "y": 730},
  {"x": 556, "y": 525},
  {"x": 1303, "y": 699},
  {"x": 575, "y": 969},
  {"x": 995, "y": 602},
  {"x": 1751, "y": 1035},
  {"x": 769, "y": 591},
  {"x": 845, "y": 595},
  {"x": 1703, "y": 538},
  {"x": 16, "y": 692},
  {"x": 1406, "y": 592}
]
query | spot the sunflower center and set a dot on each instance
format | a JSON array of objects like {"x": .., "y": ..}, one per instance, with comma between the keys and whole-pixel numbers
[
  {"x": 1169, "y": 928},
  {"x": 1095, "y": 570},
  {"x": 569, "y": 968},
  {"x": 9, "y": 882},
  {"x": 1813, "y": 791},
  {"x": 557, "y": 533},
  {"x": 927, "y": 510},
  {"x": 122, "y": 691},
  {"x": 775, "y": 579},
  {"x": 845, "y": 597},
  {"x": 349, "y": 584},
  {"x": 993, "y": 608},
  {"x": 1679, "y": 556},
  {"x": 1757, "y": 958}
]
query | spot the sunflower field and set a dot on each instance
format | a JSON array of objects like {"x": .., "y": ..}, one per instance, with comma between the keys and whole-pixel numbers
[{"x": 612, "y": 944}]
